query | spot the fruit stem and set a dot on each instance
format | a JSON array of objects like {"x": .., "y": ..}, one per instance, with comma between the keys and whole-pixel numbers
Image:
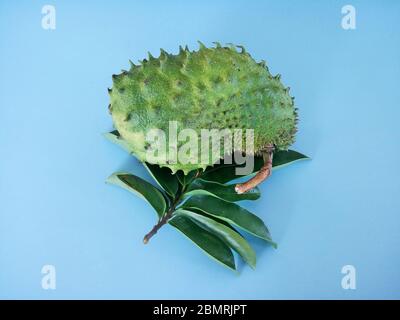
[{"x": 261, "y": 175}]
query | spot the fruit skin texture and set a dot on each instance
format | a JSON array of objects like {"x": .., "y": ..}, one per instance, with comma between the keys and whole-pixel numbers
[{"x": 212, "y": 88}]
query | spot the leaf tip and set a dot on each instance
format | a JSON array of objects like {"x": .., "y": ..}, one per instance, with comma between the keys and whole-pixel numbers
[{"x": 111, "y": 179}]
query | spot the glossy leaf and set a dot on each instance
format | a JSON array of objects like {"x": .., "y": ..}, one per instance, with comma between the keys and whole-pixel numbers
[
  {"x": 181, "y": 177},
  {"x": 228, "y": 235},
  {"x": 284, "y": 158},
  {"x": 221, "y": 173},
  {"x": 141, "y": 188},
  {"x": 225, "y": 173},
  {"x": 205, "y": 240},
  {"x": 224, "y": 192},
  {"x": 226, "y": 224},
  {"x": 186, "y": 179},
  {"x": 231, "y": 213},
  {"x": 164, "y": 177},
  {"x": 190, "y": 176}
]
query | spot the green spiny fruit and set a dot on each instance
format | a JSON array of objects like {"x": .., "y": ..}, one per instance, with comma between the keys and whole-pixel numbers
[{"x": 212, "y": 88}]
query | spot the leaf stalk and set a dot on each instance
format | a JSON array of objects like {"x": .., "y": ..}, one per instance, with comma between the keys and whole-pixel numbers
[{"x": 164, "y": 219}]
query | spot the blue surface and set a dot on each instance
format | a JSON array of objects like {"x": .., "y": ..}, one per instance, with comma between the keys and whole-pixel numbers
[{"x": 340, "y": 208}]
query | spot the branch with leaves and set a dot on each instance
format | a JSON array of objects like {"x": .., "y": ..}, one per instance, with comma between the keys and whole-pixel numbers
[{"x": 202, "y": 205}]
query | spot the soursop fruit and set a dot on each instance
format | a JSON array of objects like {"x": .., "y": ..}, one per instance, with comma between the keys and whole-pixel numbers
[
  {"x": 218, "y": 88},
  {"x": 212, "y": 88}
]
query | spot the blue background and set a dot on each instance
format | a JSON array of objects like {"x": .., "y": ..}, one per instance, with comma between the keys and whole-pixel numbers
[{"x": 340, "y": 208}]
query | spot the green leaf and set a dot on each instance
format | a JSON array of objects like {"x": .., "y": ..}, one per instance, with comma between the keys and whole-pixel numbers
[
  {"x": 226, "y": 224},
  {"x": 231, "y": 213},
  {"x": 115, "y": 137},
  {"x": 224, "y": 173},
  {"x": 164, "y": 177},
  {"x": 181, "y": 177},
  {"x": 284, "y": 158},
  {"x": 141, "y": 188},
  {"x": 224, "y": 192},
  {"x": 186, "y": 179},
  {"x": 190, "y": 176},
  {"x": 228, "y": 235},
  {"x": 221, "y": 173},
  {"x": 205, "y": 240}
]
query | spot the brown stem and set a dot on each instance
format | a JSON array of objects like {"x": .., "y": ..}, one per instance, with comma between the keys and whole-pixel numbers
[
  {"x": 164, "y": 219},
  {"x": 261, "y": 175},
  {"x": 160, "y": 223}
]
